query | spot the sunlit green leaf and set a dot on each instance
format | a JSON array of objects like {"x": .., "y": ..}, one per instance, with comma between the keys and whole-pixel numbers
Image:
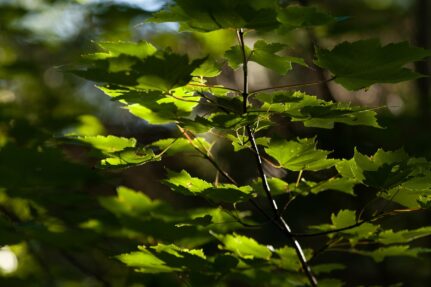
[
  {"x": 243, "y": 246},
  {"x": 314, "y": 112},
  {"x": 184, "y": 183},
  {"x": 403, "y": 236},
  {"x": 108, "y": 143},
  {"x": 300, "y": 155},
  {"x": 146, "y": 262},
  {"x": 277, "y": 186}
]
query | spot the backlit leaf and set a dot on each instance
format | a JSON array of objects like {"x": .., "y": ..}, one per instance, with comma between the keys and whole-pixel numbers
[
  {"x": 243, "y": 246},
  {"x": 300, "y": 155}
]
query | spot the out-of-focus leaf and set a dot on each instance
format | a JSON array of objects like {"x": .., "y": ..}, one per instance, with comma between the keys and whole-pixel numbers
[
  {"x": 297, "y": 17},
  {"x": 277, "y": 186},
  {"x": 264, "y": 54},
  {"x": 398, "y": 250},
  {"x": 138, "y": 66},
  {"x": 145, "y": 261}
]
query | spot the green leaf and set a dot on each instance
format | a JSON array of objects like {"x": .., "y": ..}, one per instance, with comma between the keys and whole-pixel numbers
[
  {"x": 234, "y": 56},
  {"x": 296, "y": 17},
  {"x": 343, "y": 218},
  {"x": 300, "y": 155},
  {"x": 129, "y": 202},
  {"x": 277, "y": 186},
  {"x": 207, "y": 16},
  {"x": 360, "y": 64},
  {"x": 356, "y": 167},
  {"x": 208, "y": 69},
  {"x": 155, "y": 107},
  {"x": 241, "y": 141},
  {"x": 403, "y": 236},
  {"x": 340, "y": 184},
  {"x": 146, "y": 262},
  {"x": 347, "y": 218},
  {"x": 165, "y": 258},
  {"x": 243, "y": 246},
  {"x": 398, "y": 250},
  {"x": 146, "y": 69},
  {"x": 184, "y": 183},
  {"x": 408, "y": 197},
  {"x": 129, "y": 158},
  {"x": 115, "y": 49},
  {"x": 424, "y": 201},
  {"x": 403, "y": 179},
  {"x": 288, "y": 260},
  {"x": 314, "y": 112},
  {"x": 172, "y": 146},
  {"x": 121, "y": 152},
  {"x": 108, "y": 143},
  {"x": 264, "y": 54}
]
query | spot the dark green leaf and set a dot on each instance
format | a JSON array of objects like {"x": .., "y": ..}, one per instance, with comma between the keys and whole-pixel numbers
[
  {"x": 296, "y": 17},
  {"x": 360, "y": 64}
]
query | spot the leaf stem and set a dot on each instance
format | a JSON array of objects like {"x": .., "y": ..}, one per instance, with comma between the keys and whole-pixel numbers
[{"x": 298, "y": 180}]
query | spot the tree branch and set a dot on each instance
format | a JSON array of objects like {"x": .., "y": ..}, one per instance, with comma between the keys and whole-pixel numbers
[
  {"x": 278, "y": 219},
  {"x": 225, "y": 175}
]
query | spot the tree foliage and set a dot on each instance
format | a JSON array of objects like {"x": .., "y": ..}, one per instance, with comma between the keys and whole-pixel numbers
[{"x": 218, "y": 242}]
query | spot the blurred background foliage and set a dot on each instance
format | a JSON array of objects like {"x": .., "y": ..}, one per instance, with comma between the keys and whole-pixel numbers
[{"x": 48, "y": 191}]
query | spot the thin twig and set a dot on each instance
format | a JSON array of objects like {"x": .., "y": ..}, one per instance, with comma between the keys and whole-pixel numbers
[
  {"x": 291, "y": 86},
  {"x": 206, "y": 156},
  {"x": 214, "y": 87}
]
